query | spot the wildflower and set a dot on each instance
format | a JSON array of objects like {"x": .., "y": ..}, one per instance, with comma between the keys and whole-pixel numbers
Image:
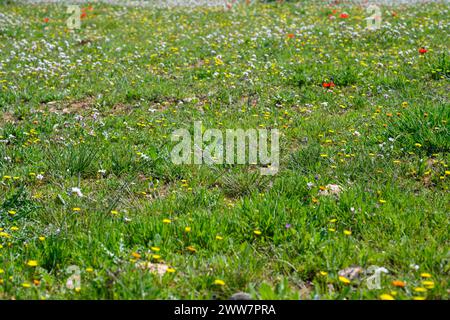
[
  {"x": 420, "y": 289},
  {"x": 89, "y": 270},
  {"x": 26, "y": 285},
  {"x": 428, "y": 284},
  {"x": 156, "y": 256},
  {"x": 257, "y": 232},
  {"x": 291, "y": 35},
  {"x": 32, "y": 263},
  {"x": 156, "y": 249},
  {"x": 187, "y": 229},
  {"x": 425, "y": 275},
  {"x": 347, "y": 232},
  {"x": 76, "y": 209},
  {"x": 136, "y": 255},
  {"x": 219, "y": 238},
  {"x": 418, "y": 298},
  {"x": 114, "y": 212},
  {"x": 398, "y": 283},
  {"x": 170, "y": 270},
  {"x": 12, "y": 212},
  {"x": 344, "y": 15},
  {"x": 422, "y": 50},
  {"x": 41, "y": 238},
  {"x": 323, "y": 273},
  {"x": 287, "y": 225},
  {"x": 344, "y": 280},
  {"x": 386, "y": 296},
  {"x": 382, "y": 201},
  {"x": 167, "y": 221},
  {"x": 46, "y": 20},
  {"x": 219, "y": 282}
]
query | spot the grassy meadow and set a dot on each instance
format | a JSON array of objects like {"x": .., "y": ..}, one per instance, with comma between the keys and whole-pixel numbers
[{"x": 92, "y": 207}]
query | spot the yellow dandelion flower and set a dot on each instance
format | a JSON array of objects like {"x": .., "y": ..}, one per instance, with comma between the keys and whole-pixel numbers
[
  {"x": 32, "y": 263},
  {"x": 114, "y": 212},
  {"x": 76, "y": 209},
  {"x": 257, "y": 232},
  {"x": 323, "y": 273},
  {"x": 89, "y": 270},
  {"x": 12, "y": 212},
  {"x": 156, "y": 249},
  {"x": 425, "y": 275},
  {"x": 419, "y": 298},
  {"x": 41, "y": 238},
  {"x": 167, "y": 221},
  {"x": 170, "y": 270},
  {"x": 347, "y": 232},
  {"x": 219, "y": 282},
  {"x": 156, "y": 256},
  {"x": 344, "y": 280},
  {"x": 136, "y": 255},
  {"x": 26, "y": 285},
  {"x": 386, "y": 296},
  {"x": 187, "y": 229},
  {"x": 428, "y": 284},
  {"x": 219, "y": 238},
  {"x": 420, "y": 289}
]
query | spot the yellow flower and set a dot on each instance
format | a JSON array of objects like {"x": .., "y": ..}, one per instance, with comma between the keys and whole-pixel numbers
[
  {"x": 344, "y": 280},
  {"x": 347, "y": 232},
  {"x": 425, "y": 275},
  {"x": 26, "y": 285},
  {"x": 382, "y": 201},
  {"x": 41, "y": 238},
  {"x": 156, "y": 256},
  {"x": 386, "y": 296},
  {"x": 2, "y": 271},
  {"x": 333, "y": 220},
  {"x": 32, "y": 263},
  {"x": 219, "y": 238},
  {"x": 76, "y": 209},
  {"x": 89, "y": 270},
  {"x": 14, "y": 228},
  {"x": 428, "y": 284},
  {"x": 12, "y": 212},
  {"x": 170, "y": 270},
  {"x": 323, "y": 273},
  {"x": 419, "y": 298},
  {"x": 136, "y": 255},
  {"x": 257, "y": 232},
  {"x": 156, "y": 249},
  {"x": 219, "y": 282},
  {"x": 418, "y": 145},
  {"x": 167, "y": 221},
  {"x": 187, "y": 229},
  {"x": 331, "y": 229},
  {"x": 420, "y": 289},
  {"x": 114, "y": 212}
]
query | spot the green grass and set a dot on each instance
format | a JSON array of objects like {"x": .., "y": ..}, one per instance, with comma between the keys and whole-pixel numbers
[{"x": 94, "y": 109}]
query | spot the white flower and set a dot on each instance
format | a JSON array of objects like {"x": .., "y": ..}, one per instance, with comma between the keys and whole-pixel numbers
[
  {"x": 77, "y": 191},
  {"x": 39, "y": 177}
]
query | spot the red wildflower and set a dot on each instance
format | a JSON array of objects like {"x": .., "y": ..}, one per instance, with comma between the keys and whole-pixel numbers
[
  {"x": 46, "y": 20},
  {"x": 329, "y": 84},
  {"x": 344, "y": 15},
  {"x": 291, "y": 35},
  {"x": 423, "y": 50},
  {"x": 83, "y": 15}
]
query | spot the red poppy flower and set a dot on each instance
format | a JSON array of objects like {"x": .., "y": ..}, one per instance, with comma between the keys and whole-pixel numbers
[
  {"x": 329, "y": 84},
  {"x": 83, "y": 15},
  {"x": 291, "y": 35},
  {"x": 46, "y": 20},
  {"x": 423, "y": 50},
  {"x": 344, "y": 15}
]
